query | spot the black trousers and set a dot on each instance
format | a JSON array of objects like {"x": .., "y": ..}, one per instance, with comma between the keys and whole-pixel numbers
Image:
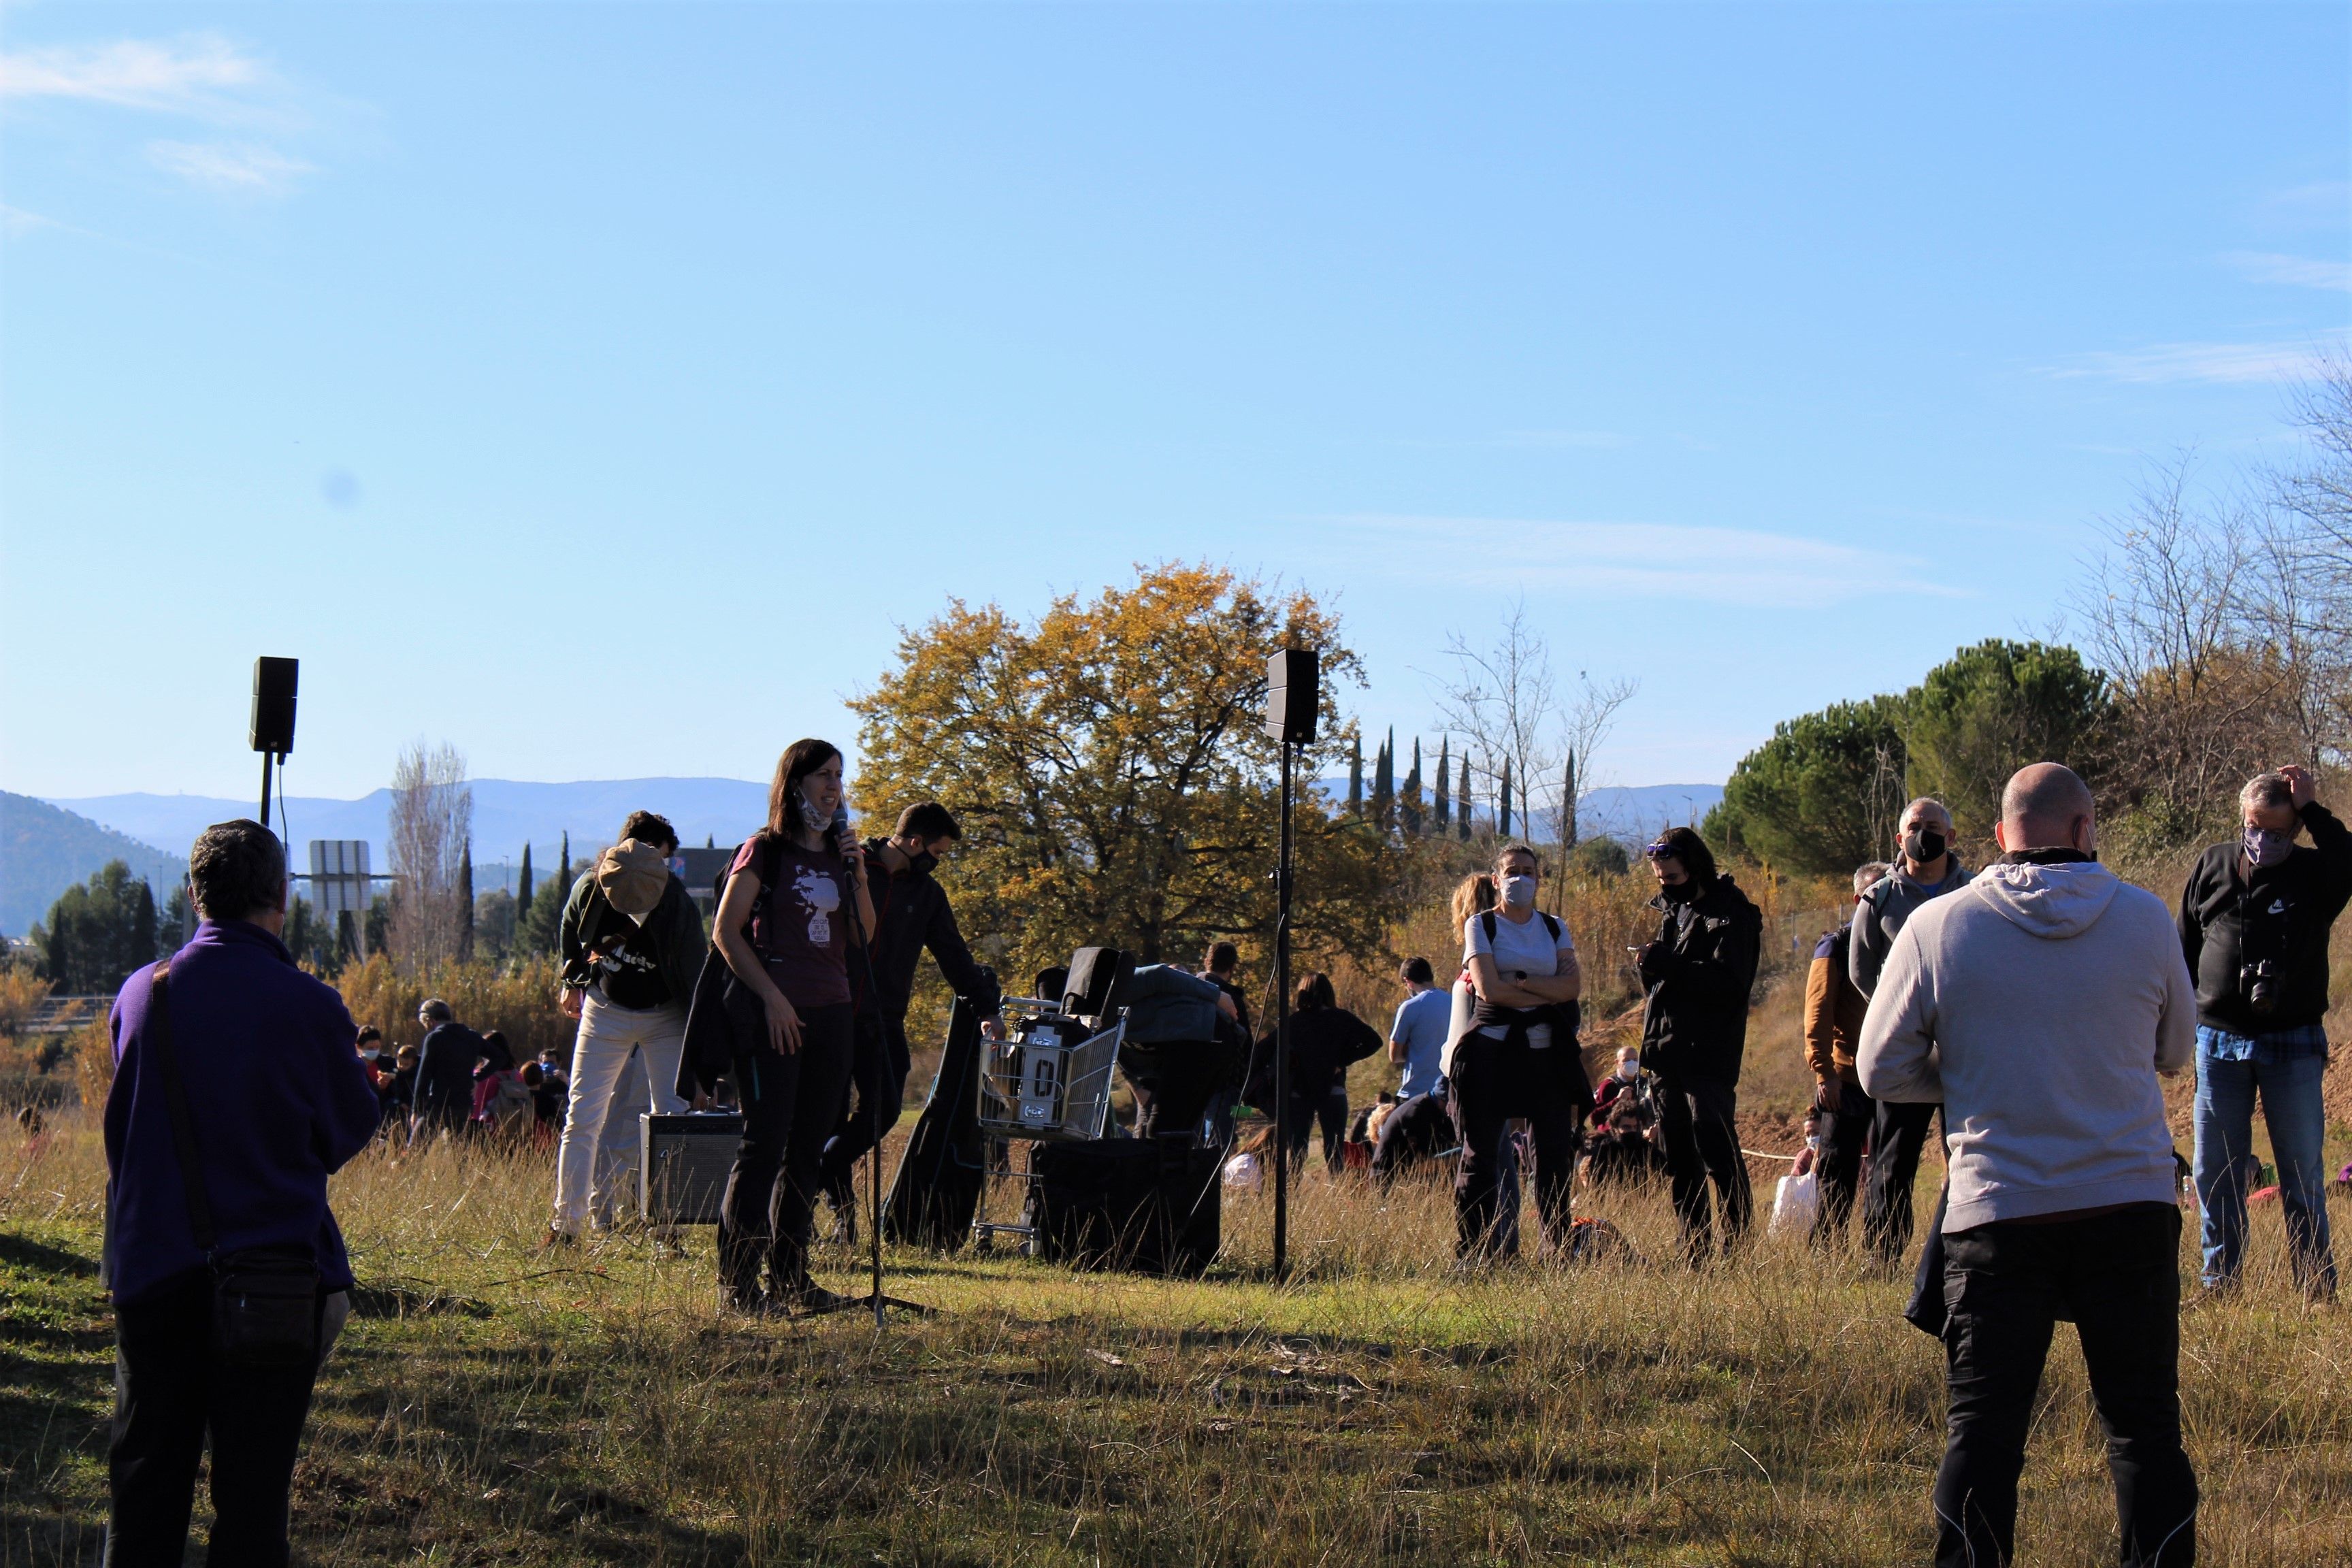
[
  {"x": 1328, "y": 1107},
  {"x": 1493, "y": 1081},
  {"x": 168, "y": 1400},
  {"x": 1695, "y": 1116},
  {"x": 1846, "y": 1116},
  {"x": 789, "y": 1106},
  {"x": 859, "y": 1128},
  {"x": 1898, "y": 1133},
  {"x": 2117, "y": 1275}
]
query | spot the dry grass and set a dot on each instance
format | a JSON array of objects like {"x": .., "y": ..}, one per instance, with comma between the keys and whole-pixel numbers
[{"x": 488, "y": 1405}]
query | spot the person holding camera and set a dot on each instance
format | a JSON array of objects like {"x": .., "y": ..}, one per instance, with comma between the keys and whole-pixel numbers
[
  {"x": 632, "y": 945},
  {"x": 1925, "y": 869},
  {"x": 1695, "y": 978},
  {"x": 782, "y": 929},
  {"x": 915, "y": 914},
  {"x": 236, "y": 1093},
  {"x": 2255, "y": 922},
  {"x": 1519, "y": 1057}
]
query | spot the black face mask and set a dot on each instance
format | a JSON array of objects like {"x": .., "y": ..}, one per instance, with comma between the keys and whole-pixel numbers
[
  {"x": 1924, "y": 845},
  {"x": 1678, "y": 892},
  {"x": 920, "y": 863}
]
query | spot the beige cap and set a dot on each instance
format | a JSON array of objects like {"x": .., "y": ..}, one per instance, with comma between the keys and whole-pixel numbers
[{"x": 631, "y": 875}]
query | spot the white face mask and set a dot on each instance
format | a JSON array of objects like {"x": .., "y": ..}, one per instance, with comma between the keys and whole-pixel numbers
[
  {"x": 1629, "y": 1070},
  {"x": 1519, "y": 892}
]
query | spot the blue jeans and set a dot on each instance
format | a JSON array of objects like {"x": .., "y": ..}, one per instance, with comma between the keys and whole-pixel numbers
[{"x": 2289, "y": 1085}]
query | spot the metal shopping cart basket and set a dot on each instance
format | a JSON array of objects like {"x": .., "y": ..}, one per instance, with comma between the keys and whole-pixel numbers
[{"x": 1048, "y": 1077}]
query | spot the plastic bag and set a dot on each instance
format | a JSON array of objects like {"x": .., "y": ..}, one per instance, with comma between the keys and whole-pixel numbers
[{"x": 1795, "y": 1200}]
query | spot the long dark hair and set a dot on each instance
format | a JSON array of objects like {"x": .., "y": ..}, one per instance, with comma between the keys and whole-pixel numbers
[
  {"x": 1315, "y": 992},
  {"x": 1684, "y": 844},
  {"x": 786, "y": 817}
]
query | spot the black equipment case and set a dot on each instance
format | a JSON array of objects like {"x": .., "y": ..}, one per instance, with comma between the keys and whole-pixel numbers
[
  {"x": 1150, "y": 1205},
  {"x": 688, "y": 1155}
]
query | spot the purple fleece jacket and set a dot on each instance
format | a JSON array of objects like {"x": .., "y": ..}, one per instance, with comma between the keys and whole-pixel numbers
[{"x": 277, "y": 1094}]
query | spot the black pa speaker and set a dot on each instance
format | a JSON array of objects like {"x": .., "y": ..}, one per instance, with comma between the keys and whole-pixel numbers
[
  {"x": 273, "y": 704},
  {"x": 1097, "y": 975},
  {"x": 1292, "y": 677}
]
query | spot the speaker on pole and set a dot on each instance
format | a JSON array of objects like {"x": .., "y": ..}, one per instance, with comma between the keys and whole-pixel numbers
[
  {"x": 1293, "y": 679},
  {"x": 272, "y": 728}
]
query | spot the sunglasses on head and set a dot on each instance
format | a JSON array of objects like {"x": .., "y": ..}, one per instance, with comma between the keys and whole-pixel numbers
[{"x": 1659, "y": 851}]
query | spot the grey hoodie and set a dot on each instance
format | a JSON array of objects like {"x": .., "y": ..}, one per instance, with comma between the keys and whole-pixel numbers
[{"x": 2038, "y": 1004}]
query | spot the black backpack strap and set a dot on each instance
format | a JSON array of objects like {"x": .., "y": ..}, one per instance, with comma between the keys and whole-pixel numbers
[
  {"x": 1551, "y": 925},
  {"x": 157, "y": 1037},
  {"x": 1487, "y": 924}
]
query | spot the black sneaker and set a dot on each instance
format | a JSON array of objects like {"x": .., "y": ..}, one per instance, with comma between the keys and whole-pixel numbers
[{"x": 809, "y": 1298}]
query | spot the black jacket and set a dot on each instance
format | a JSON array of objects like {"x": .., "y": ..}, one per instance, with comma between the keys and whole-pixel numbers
[
  {"x": 676, "y": 925},
  {"x": 1697, "y": 978},
  {"x": 1324, "y": 1043},
  {"x": 445, "y": 1069},
  {"x": 912, "y": 911},
  {"x": 2281, "y": 914}
]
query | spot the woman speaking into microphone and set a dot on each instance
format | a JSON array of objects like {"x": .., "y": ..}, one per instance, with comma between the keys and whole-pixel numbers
[{"x": 785, "y": 933}]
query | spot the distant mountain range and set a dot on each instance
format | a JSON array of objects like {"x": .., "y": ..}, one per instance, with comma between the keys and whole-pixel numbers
[
  {"x": 52, "y": 844},
  {"x": 508, "y": 814},
  {"x": 44, "y": 851}
]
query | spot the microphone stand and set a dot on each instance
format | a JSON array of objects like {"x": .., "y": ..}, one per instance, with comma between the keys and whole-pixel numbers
[{"x": 874, "y": 1298}]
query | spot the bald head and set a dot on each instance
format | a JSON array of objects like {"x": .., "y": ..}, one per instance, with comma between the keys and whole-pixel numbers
[{"x": 2047, "y": 806}]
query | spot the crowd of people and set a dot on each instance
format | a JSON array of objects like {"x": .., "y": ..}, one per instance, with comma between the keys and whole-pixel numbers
[{"x": 2026, "y": 1009}]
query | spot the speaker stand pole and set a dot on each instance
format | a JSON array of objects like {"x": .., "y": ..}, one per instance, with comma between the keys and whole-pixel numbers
[
  {"x": 1282, "y": 1030},
  {"x": 265, "y": 761}
]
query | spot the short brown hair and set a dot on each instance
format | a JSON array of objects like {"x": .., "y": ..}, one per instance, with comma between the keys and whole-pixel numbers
[
  {"x": 1222, "y": 955},
  {"x": 236, "y": 870},
  {"x": 646, "y": 828},
  {"x": 928, "y": 821}
]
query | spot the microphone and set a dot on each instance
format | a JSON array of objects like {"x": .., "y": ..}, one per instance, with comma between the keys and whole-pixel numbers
[{"x": 839, "y": 829}]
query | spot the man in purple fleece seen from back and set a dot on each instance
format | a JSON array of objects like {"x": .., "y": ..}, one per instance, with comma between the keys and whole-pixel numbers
[{"x": 277, "y": 1102}]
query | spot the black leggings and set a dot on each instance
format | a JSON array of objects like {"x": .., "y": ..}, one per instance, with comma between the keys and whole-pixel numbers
[{"x": 790, "y": 1105}]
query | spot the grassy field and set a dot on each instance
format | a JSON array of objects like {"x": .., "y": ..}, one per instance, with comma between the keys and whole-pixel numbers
[{"x": 488, "y": 1406}]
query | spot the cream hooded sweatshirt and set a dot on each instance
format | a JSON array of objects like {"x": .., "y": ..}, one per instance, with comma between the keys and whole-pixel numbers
[{"x": 2038, "y": 1004}]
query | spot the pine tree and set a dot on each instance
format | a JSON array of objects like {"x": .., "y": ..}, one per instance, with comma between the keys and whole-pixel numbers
[
  {"x": 1355, "y": 775},
  {"x": 1462, "y": 799},
  {"x": 1503, "y": 816},
  {"x": 522, "y": 888},
  {"x": 1444, "y": 802},
  {"x": 466, "y": 902},
  {"x": 1385, "y": 785}
]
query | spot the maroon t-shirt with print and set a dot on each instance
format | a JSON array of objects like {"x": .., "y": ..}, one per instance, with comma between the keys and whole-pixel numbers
[{"x": 803, "y": 932}]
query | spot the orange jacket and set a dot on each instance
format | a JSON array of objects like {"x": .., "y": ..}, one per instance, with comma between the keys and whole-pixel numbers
[{"x": 1834, "y": 1008}]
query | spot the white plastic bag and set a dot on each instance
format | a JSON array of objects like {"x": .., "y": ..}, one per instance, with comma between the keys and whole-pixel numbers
[
  {"x": 1795, "y": 1200},
  {"x": 1242, "y": 1172}
]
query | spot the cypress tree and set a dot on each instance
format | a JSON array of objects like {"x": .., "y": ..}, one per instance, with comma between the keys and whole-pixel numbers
[
  {"x": 1355, "y": 775},
  {"x": 1410, "y": 811},
  {"x": 142, "y": 926},
  {"x": 1444, "y": 802},
  {"x": 1503, "y": 817},
  {"x": 1462, "y": 799},
  {"x": 522, "y": 888},
  {"x": 563, "y": 866},
  {"x": 1384, "y": 784},
  {"x": 465, "y": 901}
]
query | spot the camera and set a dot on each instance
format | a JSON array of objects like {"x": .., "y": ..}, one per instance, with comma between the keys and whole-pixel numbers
[{"x": 2260, "y": 984}]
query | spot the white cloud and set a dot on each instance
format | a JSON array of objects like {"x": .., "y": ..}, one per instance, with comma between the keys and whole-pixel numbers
[
  {"x": 2230, "y": 363},
  {"x": 1651, "y": 560},
  {"x": 1560, "y": 439},
  {"x": 16, "y": 223},
  {"x": 193, "y": 76},
  {"x": 237, "y": 168},
  {"x": 2297, "y": 271}
]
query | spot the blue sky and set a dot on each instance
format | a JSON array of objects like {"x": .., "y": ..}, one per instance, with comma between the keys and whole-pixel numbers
[{"x": 599, "y": 388}]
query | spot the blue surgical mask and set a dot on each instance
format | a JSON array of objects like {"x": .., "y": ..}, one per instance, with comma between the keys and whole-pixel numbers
[{"x": 2265, "y": 847}]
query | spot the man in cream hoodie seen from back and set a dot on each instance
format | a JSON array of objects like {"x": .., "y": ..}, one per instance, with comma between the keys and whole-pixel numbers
[{"x": 2038, "y": 1004}]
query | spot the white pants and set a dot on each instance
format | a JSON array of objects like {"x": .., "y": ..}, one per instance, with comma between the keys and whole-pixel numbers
[{"x": 624, "y": 1061}]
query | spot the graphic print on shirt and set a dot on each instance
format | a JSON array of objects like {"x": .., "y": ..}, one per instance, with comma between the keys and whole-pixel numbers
[{"x": 820, "y": 895}]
